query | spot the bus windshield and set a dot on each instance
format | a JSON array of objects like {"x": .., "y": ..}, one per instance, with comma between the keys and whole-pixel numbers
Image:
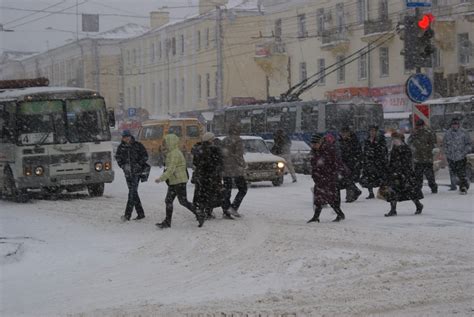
[
  {"x": 86, "y": 121},
  {"x": 40, "y": 122}
]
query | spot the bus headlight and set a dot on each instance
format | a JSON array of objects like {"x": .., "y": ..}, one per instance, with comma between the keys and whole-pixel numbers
[
  {"x": 98, "y": 166},
  {"x": 107, "y": 166},
  {"x": 281, "y": 165},
  {"x": 27, "y": 171},
  {"x": 39, "y": 171}
]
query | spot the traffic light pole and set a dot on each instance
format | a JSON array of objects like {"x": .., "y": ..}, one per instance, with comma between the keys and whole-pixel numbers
[{"x": 417, "y": 15}]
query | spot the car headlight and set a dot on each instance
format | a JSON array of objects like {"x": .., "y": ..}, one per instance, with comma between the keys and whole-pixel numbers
[
  {"x": 107, "y": 166},
  {"x": 39, "y": 171},
  {"x": 98, "y": 166},
  {"x": 281, "y": 165},
  {"x": 27, "y": 171}
]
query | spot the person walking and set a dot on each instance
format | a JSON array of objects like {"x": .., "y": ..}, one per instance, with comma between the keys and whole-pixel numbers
[
  {"x": 207, "y": 175},
  {"x": 457, "y": 144},
  {"x": 282, "y": 147},
  {"x": 374, "y": 162},
  {"x": 176, "y": 176},
  {"x": 401, "y": 180},
  {"x": 234, "y": 171},
  {"x": 326, "y": 168},
  {"x": 132, "y": 156},
  {"x": 422, "y": 142},
  {"x": 351, "y": 155}
]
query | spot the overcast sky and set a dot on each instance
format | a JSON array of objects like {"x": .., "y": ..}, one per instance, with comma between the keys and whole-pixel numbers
[{"x": 32, "y": 35}]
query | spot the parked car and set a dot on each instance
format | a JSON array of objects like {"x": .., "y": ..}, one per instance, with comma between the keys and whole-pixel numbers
[
  {"x": 261, "y": 165},
  {"x": 300, "y": 155}
]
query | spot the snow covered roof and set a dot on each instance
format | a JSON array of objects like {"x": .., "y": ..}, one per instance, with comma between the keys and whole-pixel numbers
[
  {"x": 23, "y": 92},
  {"x": 122, "y": 32},
  {"x": 15, "y": 56},
  {"x": 457, "y": 99}
]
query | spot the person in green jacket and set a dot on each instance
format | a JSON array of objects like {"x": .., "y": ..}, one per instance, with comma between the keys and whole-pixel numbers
[{"x": 176, "y": 176}]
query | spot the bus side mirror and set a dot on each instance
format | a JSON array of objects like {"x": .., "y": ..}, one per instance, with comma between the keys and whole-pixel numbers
[{"x": 111, "y": 117}]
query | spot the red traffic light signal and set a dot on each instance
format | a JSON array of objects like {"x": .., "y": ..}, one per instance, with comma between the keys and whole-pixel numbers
[{"x": 426, "y": 21}]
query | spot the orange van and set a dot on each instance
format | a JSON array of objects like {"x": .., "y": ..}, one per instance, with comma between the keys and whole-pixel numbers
[{"x": 152, "y": 133}]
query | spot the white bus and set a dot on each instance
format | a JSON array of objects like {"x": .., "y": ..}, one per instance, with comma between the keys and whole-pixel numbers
[{"x": 53, "y": 139}]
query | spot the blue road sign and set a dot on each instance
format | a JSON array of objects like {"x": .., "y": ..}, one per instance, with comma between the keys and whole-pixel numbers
[
  {"x": 418, "y": 3},
  {"x": 132, "y": 112},
  {"x": 418, "y": 88}
]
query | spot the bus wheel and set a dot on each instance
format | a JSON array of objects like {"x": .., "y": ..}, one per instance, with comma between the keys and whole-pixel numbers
[
  {"x": 278, "y": 181},
  {"x": 10, "y": 191},
  {"x": 96, "y": 190}
]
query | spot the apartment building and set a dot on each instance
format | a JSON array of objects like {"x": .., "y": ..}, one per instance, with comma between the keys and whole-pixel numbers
[
  {"x": 189, "y": 65},
  {"x": 303, "y": 38}
]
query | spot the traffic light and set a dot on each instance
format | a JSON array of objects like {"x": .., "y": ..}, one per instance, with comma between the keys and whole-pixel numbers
[{"x": 418, "y": 36}]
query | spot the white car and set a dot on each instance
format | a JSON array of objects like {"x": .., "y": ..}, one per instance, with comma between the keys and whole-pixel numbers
[
  {"x": 260, "y": 164},
  {"x": 300, "y": 155}
]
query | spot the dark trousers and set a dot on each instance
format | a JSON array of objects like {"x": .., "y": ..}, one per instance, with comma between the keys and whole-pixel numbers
[
  {"x": 352, "y": 191},
  {"x": 241, "y": 186},
  {"x": 425, "y": 169},
  {"x": 180, "y": 191},
  {"x": 336, "y": 206},
  {"x": 459, "y": 170},
  {"x": 133, "y": 198}
]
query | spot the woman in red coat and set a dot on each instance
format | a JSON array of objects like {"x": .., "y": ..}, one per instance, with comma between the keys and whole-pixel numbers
[{"x": 326, "y": 168}]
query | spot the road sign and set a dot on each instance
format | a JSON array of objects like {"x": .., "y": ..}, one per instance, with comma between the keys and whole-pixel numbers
[
  {"x": 421, "y": 112},
  {"x": 132, "y": 112},
  {"x": 418, "y": 3},
  {"x": 418, "y": 88}
]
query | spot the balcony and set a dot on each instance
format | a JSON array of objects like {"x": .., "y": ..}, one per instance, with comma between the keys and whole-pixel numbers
[
  {"x": 376, "y": 28},
  {"x": 270, "y": 56},
  {"x": 336, "y": 41}
]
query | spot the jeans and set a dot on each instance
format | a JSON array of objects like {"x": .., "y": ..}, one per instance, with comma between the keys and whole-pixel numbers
[
  {"x": 425, "y": 169},
  {"x": 241, "y": 184},
  {"x": 133, "y": 198}
]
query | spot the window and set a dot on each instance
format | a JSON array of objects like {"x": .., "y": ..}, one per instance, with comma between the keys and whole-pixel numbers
[
  {"x": 340, "y": 17},
  {"x": 134, "y": 96},
  {"x": 173, "y": 46},
  {"x": 128, "y": 57},
  {"x": 383, "y": 9},
  {"x": 322, "y": 70},
  {"x": 303, "y": 72},
  {"x": 152, "y": 53},
  {"x": 7, "y": 123},
  {"x": 151, "y": 133},
  {"x": 182, "y": 44},
  {"x": 208, "y": 85},
  {"x": 140, "y": 96},
  {"x": 383, "y": 56},
  {"x": 160, "y": 52},
  {"x": 153, "y": 96},
  {"x": 341, "y": 71},
  {"x": 176, "y": 130},
  {"x": 198, "y": 40},
  {"x": 464, "y": 48},
  {"x": 160, "y": 95},
  {"x": 134, "y": 56},
  {"x": 363, "y": 66},
  {"x": 320, "y": 21},
  {"x": 192, "y": 131},
  {"x": 129, "y": 97},
  {"x": 182, "y": 92},
  {"x": 175, "y": 91},
  {"x": 360, "y": 11},
  {"x": 139, "y": 56},
  {"x": 437, "y": 57},
  {"x": 278, "y": 30},
  {"x": 302, "y": 25},
  {"x": 208, "y": 37},
  {"x": 198, "y": 87}
]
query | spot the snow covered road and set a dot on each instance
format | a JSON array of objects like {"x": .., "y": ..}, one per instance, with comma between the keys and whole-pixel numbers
[{"x": 75, "y": 257}]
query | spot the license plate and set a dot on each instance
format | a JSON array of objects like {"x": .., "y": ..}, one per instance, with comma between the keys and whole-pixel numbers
[{"x": 70, "y": 181}]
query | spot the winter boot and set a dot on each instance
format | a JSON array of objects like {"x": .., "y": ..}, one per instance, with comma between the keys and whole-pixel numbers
[
  {"x": 463, "y": 191},
  {"x": 227, "y": 215},
  {"x": 234, "y": 212},
  {"x": 340, "y": 215},
  {"x": 371, "y": 196},
  {"x": 125, "y": 218},
  {"x": 393, "y": 210},
  {"x": 317, "y": 212},
  {"x": 419, "y": 208},
  {"x": 163, "y": 225}
]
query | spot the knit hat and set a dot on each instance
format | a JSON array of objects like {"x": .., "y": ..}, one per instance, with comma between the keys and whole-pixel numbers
[
  {"x": 455, "y": 121},
  {"x": 208, "y": 136},
  {"x": 315, "y": 138},
  {"x": 126, "y": 133}
]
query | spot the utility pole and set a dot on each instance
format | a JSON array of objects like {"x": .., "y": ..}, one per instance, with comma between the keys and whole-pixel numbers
[
  {"x": 220, "y": 59},
  {"x": 417, "y": 15}
]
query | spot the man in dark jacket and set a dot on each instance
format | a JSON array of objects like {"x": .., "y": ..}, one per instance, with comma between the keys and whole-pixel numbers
[
  {"x": 131, "y": 156},
  {"x": 351, "y": 155},
  {"x": 422, "y": 143},
  {"x": 375, "y": 161}
]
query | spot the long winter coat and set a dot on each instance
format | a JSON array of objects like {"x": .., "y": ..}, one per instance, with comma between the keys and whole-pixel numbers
[
  {"x": 207, "y": 175},
  {"x": 351, "y": 155},
  {"x": 401, "y": 176},
  {"x": 422, "y": 142},
  {"x": 233, "y": 153},
  {"x": 131, "y": 157},
  {"x": 375, "y": 161},
  {"x": 175, "y": 163},
  {"x": 457, "y": 144},
  {"x": 326, "y": 167}
]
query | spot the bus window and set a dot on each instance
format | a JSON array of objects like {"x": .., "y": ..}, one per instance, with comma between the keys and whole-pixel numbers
[
  {"x": 258, "y": 121},
  {"x": 87, "y": 120},
  {"x": 192, "y": 131},
  {"x": 177, "y": 130},
  {"x": 153, "y": 132},
  {"x": 309, "y": 118},
  {"x": 6, "y": 123}
]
